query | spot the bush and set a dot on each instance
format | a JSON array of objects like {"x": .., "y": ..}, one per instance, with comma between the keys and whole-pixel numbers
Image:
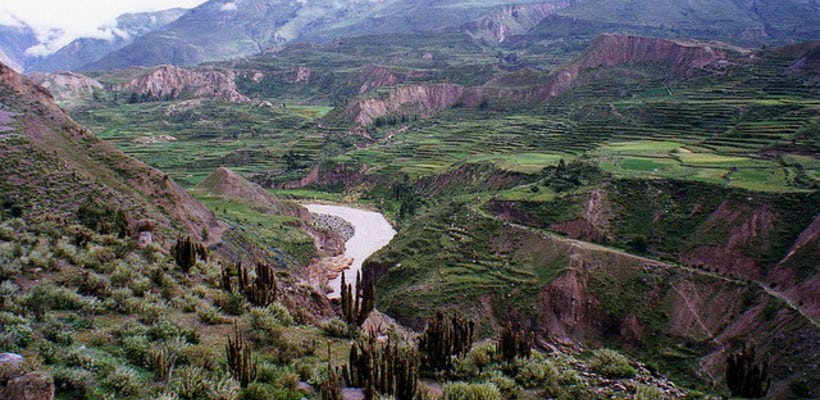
[
  {"x": 611, "y": 364},
  {"x": 77, "y": 381},
  {"x": 537, "y": 373},
  {"x": 190, "y": 383},
  {"x": 208, "y": 314},
  {"x": 123, "y": 381},
  {"x": 17, "y": 335},
  {"x": 470, "y": 391},
  {"x": 648, "y": 392},
  {"x": 336, "y": 328},
  {"x": 281, "y": 314}
]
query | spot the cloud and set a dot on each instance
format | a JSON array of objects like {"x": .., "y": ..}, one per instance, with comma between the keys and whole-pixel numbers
[
  {"x": 228, "y": 7},
  {"x": 57, "y": 23}
]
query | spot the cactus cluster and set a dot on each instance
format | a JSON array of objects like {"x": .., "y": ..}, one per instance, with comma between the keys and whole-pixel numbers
[
  {"x": 259, "y": 289},
  {"x": 745, "y": 376},
  {"x": 357, "y": 304},
  {"x": 387, "y": 368},
  {"x": 444, "y": 338},
  {"x": 241, "y": 362},
  {"x": 186, "y": 251},
  {"x": 513, "y": 343}
]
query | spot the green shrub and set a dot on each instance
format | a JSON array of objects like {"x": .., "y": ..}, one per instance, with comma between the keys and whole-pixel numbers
[
  {"x": 208, "y": 315},
  {"x": 76, "y": 381},
  {"x": 257, "y": 391},
  {"x": 58, "y": 332},
  {"x": 537, "y": 372},
  {"x": 50, "y": 353},
  {"x": 648, "y": 392},
  {"x": 123, "y": 381},
  {"x": 281, "y": 314},
  {"x": 232, "y": 303},
  {"x": 611, "y": 364},
  {"x": 336, "y": 328},
  {"x": 507, "y": 386},
  {"x": 190, "y": 383},
  {"x": 470, "y": 391}
]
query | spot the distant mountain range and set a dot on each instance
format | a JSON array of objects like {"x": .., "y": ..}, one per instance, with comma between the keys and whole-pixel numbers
[
  {"x": 220, "y": 30},
  {"x": 15, "y": 40}
]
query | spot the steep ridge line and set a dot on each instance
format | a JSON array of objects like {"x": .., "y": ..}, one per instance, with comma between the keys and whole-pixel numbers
[{"x": 478, "y": 209}]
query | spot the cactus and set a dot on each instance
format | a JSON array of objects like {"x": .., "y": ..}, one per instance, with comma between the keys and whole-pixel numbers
[
  {"x": 241, "y": 362},
  {"x": 383, "y": 369},
  {"x": 745, "y": 376},
  {"x": 331, "y": 388},
  {"x": 443, "y": 338},
  {"x": 186, "y": 251},
  {"x": 162, "y": 363},
  {"x": 513, "y": 343},
  {"x": 259, "y": 290},
  {"x": 357, "y": 304}
]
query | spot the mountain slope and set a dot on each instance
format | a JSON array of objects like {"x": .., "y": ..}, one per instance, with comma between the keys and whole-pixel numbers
[
  {"x": 222, "y": 30},
  {"x": 52, "y": 166},
  {"x": 86, "y": 50}
]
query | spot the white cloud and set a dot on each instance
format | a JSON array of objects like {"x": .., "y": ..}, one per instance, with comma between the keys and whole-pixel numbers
[
  {"x": 227, "y": 7},
  {"x": 58, "y": 22}
]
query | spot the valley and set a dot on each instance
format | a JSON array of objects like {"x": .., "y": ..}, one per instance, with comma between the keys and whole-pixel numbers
[{"x": 532, "y": 175}]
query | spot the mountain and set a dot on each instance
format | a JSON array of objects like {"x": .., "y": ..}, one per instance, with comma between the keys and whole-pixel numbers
[
  {"x": 223, "y": 30},
  {"x": 87, "y": 50},
  {"x": 14, "y": 40},
  {"x": 52, "y": 168}
]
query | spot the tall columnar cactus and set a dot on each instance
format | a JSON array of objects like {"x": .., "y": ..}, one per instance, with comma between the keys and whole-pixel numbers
[
  {"x": 444, "y": 338},
  {"x": 184, "y": 252},
  {"x": 357, "y": 303},
  {"x": 241, "y": 362},
  {"x": 513, "y": 343},
  {"x": 332, "y": 388},
  {"x": 383, "y": 369},
  {"x": 745, "y": 376},
  {"x": 261, "y": 289}
]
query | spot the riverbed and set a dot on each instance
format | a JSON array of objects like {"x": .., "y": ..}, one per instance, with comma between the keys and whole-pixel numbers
[{"x": 372, "y": 232}]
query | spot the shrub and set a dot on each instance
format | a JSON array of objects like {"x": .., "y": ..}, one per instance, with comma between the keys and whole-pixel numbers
[
  {"x": 190, "y": 383},
  {"x": 537, "y": 373},
  {"x": 208, "y": 314},
  {"x": 471, "y": 391},
  {"x": 123, "y": 381},
  {"x": 78, "y": 381},
  {"x": 648, "y": 392},
  {"x": 281, "y": 314},
  {"x": 611, "y": 364},
  {"x": 336, "y": 328}
]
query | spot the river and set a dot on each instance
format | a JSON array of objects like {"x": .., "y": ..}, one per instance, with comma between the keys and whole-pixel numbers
[{"x": 372, "y": 233}]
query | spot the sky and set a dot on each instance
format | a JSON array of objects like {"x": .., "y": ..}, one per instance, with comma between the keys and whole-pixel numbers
[{"x": 57, "y": 22}]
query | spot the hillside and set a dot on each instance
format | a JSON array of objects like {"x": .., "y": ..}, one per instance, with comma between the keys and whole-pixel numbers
[
  {"x": 40, "y": 137},
  {"x": 251, "y": 27}
]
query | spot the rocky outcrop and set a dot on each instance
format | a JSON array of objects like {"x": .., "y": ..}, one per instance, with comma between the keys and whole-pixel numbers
[
  {"x": 68, "y": 88},
  {"x": 168, "y": 81},
  {"x": 376, "y": 77},
  {"x": 17, "y": 383},
  {"x": 512, "y": 20},
  {"x": 416, "y": 101},
  {"x": 612, "y": 50}
]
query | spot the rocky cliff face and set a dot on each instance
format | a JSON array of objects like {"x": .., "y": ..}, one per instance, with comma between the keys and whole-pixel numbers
[
  {"x": 173, "y": 82},
  {"x": 612, "y": 50},
  {"x": 512, "y": 20},
  {"x": 420, "y": 100},
  {"x": 67, "y": 88}
]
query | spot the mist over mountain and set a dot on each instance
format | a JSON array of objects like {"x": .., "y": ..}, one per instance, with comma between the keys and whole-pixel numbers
[
  {"x": 14, "y": 41},
  {"x": 221, "y": 30}
]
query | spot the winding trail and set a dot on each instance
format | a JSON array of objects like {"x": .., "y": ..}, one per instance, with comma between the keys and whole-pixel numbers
[
  {"x": 479, "y": 210},
  {"x": 372, "y": 233}
]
